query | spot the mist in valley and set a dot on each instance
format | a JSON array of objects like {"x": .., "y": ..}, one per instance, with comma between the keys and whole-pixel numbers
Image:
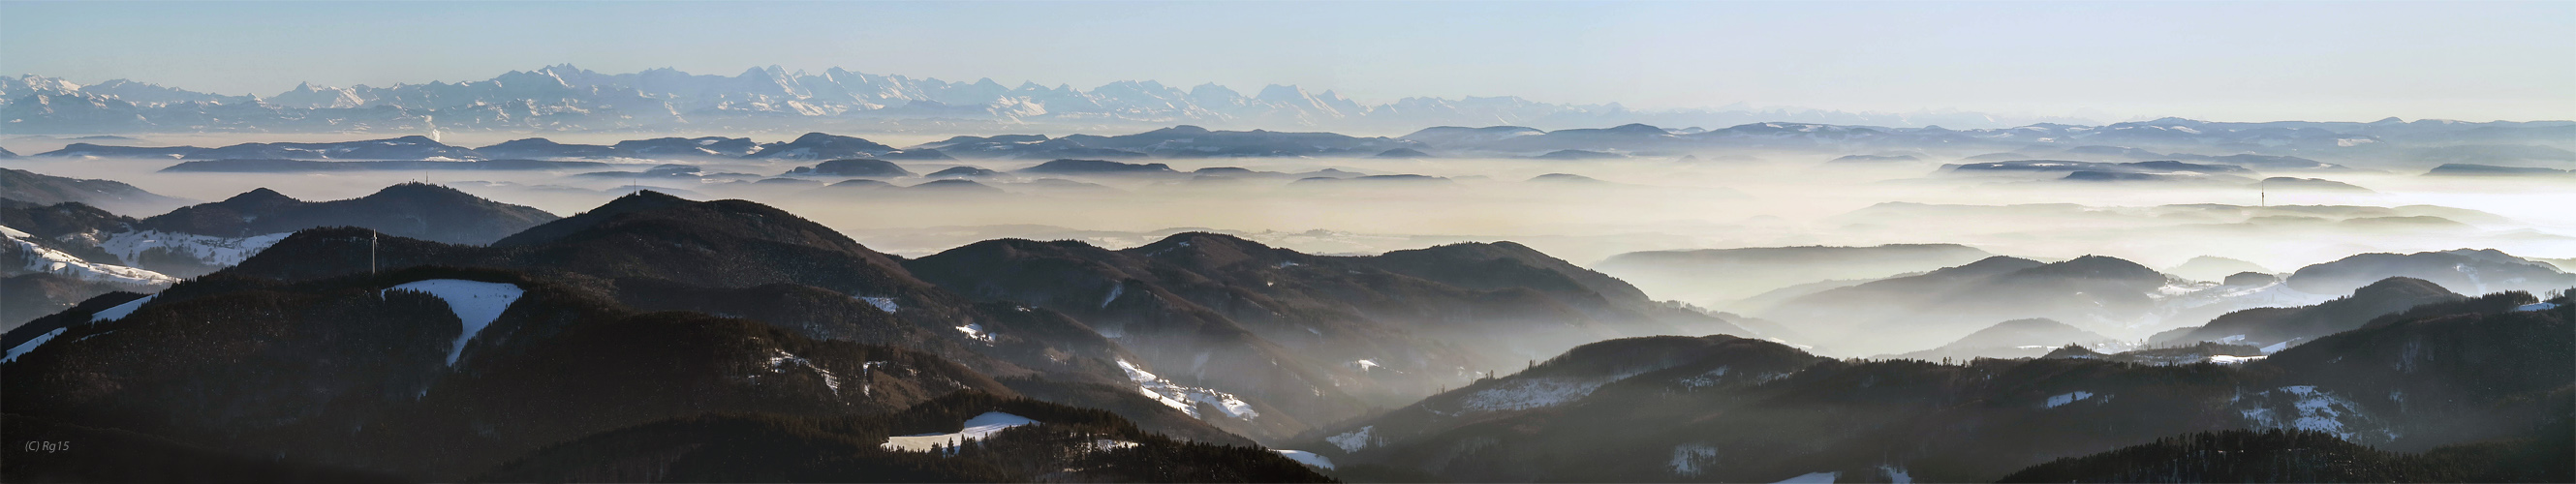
[
  {"x": 1301, "y": 242},
  {"x": 1586, "y": 211}
]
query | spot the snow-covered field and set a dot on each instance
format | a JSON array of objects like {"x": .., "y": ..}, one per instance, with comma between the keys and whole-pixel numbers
[
  {"x": 41, "y": 259},
  {"x": 1186, "y": 398},
  {"x": 1304, "y": 457},
  {"x": 980, "y": 427},
  {"x": 1352, "y": 441},
  {"x": 2305, "y": 407},
  {"x": 2062, "y": 400},
  {"x": 882, "y": 303},
  {"x": 31, "y": 344},
  {"x": 780, "y": 360},
  {"x": 476, "y": 304},
  {"x": 120, "y": 311},
  {"x": 2231, "y": 360},
  {"x": 1692, "y": 459},
  {"x": 220, "y": 251},
  {"x": 976, "y": 332},
  {"x": 1530, "y": 393},
  {"x": 112, "y": 313}
]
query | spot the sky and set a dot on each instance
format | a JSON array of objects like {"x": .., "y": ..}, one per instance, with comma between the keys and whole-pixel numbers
[{"x": 2230, "y": 61}]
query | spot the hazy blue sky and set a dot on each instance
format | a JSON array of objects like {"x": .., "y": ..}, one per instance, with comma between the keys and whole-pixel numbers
[{"x": 2227, "y": 61}]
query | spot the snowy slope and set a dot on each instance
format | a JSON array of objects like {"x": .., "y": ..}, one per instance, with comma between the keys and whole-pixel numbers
[
  {"x": 2305, "y": 407},
  {"x": 978, "y": 428},
  {"x": 36, "y": 258},
  {"x": 120, "y": 311},
  {"x": 1352, "y": 441},
  {"x": 31, "y": 344},
  {"x": 112, "y": 313},
  {"x": 220, "y": 251},
  {"x": 1304, "y": 457},
  {"x": 1186, "y": 398},
  {"x": 1531, "y": 393},
  {"x": 476, "y": 304}
]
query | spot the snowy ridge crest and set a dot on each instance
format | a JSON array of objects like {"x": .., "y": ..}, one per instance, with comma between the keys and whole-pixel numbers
[{"x": 1187, "y": 398}]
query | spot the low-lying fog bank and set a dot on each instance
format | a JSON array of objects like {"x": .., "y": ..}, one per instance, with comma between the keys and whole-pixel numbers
[
  {"x": 1606, "y": 208},
  {"x": 1654, "y": 222}
]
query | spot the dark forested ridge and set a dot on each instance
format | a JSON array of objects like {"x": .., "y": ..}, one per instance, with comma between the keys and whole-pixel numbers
[
  {"x": 1324, "y": 337},
  {"x": 71, "y": 250},
  {"x": 653, "y": 312},
  {"x": 55, "y": 452},
  {"x": 2438, "y": 378},
  {"x": 1068, "y": 444},
  {"x": 657, "y": 339},
  {"x": 414, "y": 210},
  {"x": 42, "y": 189},
  {"x": 2306, "y": 456}
]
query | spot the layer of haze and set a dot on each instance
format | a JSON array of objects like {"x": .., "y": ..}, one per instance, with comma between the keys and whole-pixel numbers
[
  {"x": 2220, "y": 61},
  {"x": 1728, "y": 199}
]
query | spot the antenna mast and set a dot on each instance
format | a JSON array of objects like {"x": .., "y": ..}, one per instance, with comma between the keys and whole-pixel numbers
[{"x": 371, "y": 251}]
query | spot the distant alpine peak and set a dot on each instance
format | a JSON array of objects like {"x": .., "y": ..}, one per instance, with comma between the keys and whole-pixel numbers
[{"x": 565, "y": 97}]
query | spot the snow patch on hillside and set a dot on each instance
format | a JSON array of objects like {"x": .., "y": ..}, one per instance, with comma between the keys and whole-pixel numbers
[
  {"x": 1814, "y": 478},
  {"x": 780, "y": 359},
  {"x": 1708, "y": 379},
  {"x": 120, "y": 311},
  {"x": 1304, "y": 457},
  {"x": 1114, "y": 292},
  {"x": 882, "y": 303},
  {"x": 221, "y": 251},
  {"x": 1897, "y": 475},
  {"x": 2231, "y": 360},
  {"x": 1529, "y": 393},
  {"x": 1692, "y": 459},
  {"x": 2061, "y": 400},
  {"x": 1186, "y": 398},
  {"x": 37, "y": 258},
  {"x": 112, "y": 313},
  {"x": 1352, "y": 441},
  {"x": 2305, "y": 407},
  {"x": 975, "y": 332},
  {"x": 978, "y": 428},
  {"x": 476, "y": 304},
  {"x": 31, "y": 344}
]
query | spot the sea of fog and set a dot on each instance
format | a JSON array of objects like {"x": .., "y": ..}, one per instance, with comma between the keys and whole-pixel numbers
[{"x": 1718, "y": 200}]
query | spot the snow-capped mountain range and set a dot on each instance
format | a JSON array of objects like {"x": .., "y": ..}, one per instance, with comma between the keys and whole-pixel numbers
[{"x": 568, "y": 98}]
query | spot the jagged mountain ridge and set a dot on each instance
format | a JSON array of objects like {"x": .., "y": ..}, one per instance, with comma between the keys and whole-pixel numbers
[{"x": 567, "y": 97}]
